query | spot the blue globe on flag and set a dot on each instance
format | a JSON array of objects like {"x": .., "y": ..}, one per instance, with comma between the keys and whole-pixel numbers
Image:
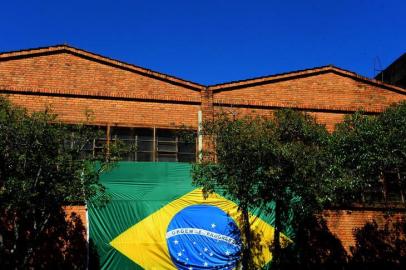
[{"x": 203, "y": 237}]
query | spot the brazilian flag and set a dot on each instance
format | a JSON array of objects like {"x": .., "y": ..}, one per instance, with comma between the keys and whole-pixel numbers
[{"x": 157, "y": 219}]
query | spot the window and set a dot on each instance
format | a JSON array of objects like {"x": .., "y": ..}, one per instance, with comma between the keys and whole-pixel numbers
[
  {"x": 147, "y": 144},
  {"x": 137, "y": 143},
  {"x": 392, "y": 188},
  {"x": 90, "y": 142},
  {"x": 386, "y": 190},
  {"x": 167, "y": 146},
  {"x": 374, "y": 194}
]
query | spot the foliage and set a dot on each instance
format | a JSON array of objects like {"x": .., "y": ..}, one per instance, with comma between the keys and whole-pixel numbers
[
  {"x": 295, "y": 173},
  {"x": 241, "y": 147},
  {"x": 42, "y": 169},
  {"x": 366, "y": 148},
  {"x": 293, "y": 162},
  {"x": 259, "y": 160},
  {"x": 380, "y": 245}
]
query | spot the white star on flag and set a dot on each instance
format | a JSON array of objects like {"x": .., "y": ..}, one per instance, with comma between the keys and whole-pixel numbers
[
  {"x": 176, "y": 242},
  {"x": 205, "y": 264},
  {"x": 206, "y": 249},
  {"x": 213, "y": 225},
  {"x": 227, "y": 252},
  {"x": 211, "y": 254},
  {"x": 190, "y": 268},
  {"x": 179, "y": 254}
]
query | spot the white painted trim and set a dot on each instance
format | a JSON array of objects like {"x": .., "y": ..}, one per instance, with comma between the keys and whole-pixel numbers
[{"x": 199, "y": 133}]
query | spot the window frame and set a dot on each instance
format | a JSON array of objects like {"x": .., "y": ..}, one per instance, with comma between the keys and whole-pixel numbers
[{"x": 159, "y": 138}]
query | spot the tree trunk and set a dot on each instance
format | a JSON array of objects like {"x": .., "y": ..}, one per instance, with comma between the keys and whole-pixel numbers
[
  {"x": 246, "y": 253},
  {"x": 277, "y": 243}
]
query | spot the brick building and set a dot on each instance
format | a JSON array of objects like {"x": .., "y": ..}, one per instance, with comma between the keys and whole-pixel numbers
[
  {"x": 145, "y": 107},
  {"x": 395, "y": 73}
]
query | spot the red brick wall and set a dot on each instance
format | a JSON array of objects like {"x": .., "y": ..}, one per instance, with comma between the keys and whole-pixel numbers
[
  {"x": 72, "y": 85},
  {"x": 329, "y": 119},
  {"x": 67, "y": 73},
  {"x": 326, "y": 96},
  {"x": 117, "y": 112},
  {"x": 323, "y": 91},
  {"x": 118, "y": 94},
  {"x": 72, "y": 81},
  {"x": 80, "y": 211},
  {"x": 342, "y": 223}
]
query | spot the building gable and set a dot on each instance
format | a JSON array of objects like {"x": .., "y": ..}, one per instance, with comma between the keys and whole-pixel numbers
[
  {"x": 72, "y": 81},
  {"x": 320, "y": 89},
  {"x": 68, "y": 71}
]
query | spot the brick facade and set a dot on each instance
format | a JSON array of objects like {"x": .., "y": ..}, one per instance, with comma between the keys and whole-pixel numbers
[
  {"x": 328, "y": 93},
  {"x": 80, "y": 211},
  {"x": 73, "y": 82},
  {"x": 342, "y": 223}
]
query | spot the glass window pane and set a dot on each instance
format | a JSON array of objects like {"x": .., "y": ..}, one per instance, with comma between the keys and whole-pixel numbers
[
  {"x": 186, "y": 158},
  {"x": 145, "y": 146},
  {"x": 144, "y": 134},
  {"x": 374, "y": 196},
  {"x": 392, "y": 188},
  {"x": 144, "y": 156},
  {"x": 100, "y": 142},
  {"x": 167, "y": 146},
  {"x": 187, "y": 147},
  {"x": 167, "y": 157},
  {"x": 122, "y": 133},
  {"x": 129, "y": 156},
  {"x": 186, "y": 136},
  {"x": 166, "y": 135},
  {"x": 171, "y": 145}
]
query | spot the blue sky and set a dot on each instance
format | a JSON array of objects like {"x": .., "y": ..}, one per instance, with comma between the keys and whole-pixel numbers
[{"x": 216, "y": 41}]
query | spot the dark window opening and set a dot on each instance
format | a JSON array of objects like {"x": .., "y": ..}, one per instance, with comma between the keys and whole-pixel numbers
[
  {"x": 392, "y": 188},
  {"x": 374, "y": 194},
  {"x": 90, "y": 142},
  {"x": 143, "y": 144},
  {"x": 136, "y": 144},
  {"x": 386, "y": 190}
]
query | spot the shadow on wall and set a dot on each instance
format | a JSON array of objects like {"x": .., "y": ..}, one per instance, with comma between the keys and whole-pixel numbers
[
  {"x": 376, "y": 247},
  {"x": 61, "y": 245},
  {"x": 94, "y": 258},
  {"x": 385, "y": 245},
  {"x": 315, "y": 247}
]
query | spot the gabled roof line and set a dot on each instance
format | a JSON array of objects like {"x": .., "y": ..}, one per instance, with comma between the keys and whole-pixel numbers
[
  {"x": 196, "y": 86},
  {"x": 388, "y": 68},
  {"x": 265, "y": 77},
  {"x": 100, "y": 58},
  {"x": 301, "y": 73}
]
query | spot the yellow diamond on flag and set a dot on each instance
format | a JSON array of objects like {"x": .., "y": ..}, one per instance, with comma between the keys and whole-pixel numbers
[{"x": 157, "y": 242}]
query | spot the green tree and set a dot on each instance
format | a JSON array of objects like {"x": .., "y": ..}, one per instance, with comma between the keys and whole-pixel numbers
[
  {"x": 295, "y": 172},
  {"x": 241, "y": 146},
  {"x": 42, "y": 169},
  {"x": 367, "y": 149},
  {"x": 393, "y": 124},
  {"x": 274, "y": 163}
]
